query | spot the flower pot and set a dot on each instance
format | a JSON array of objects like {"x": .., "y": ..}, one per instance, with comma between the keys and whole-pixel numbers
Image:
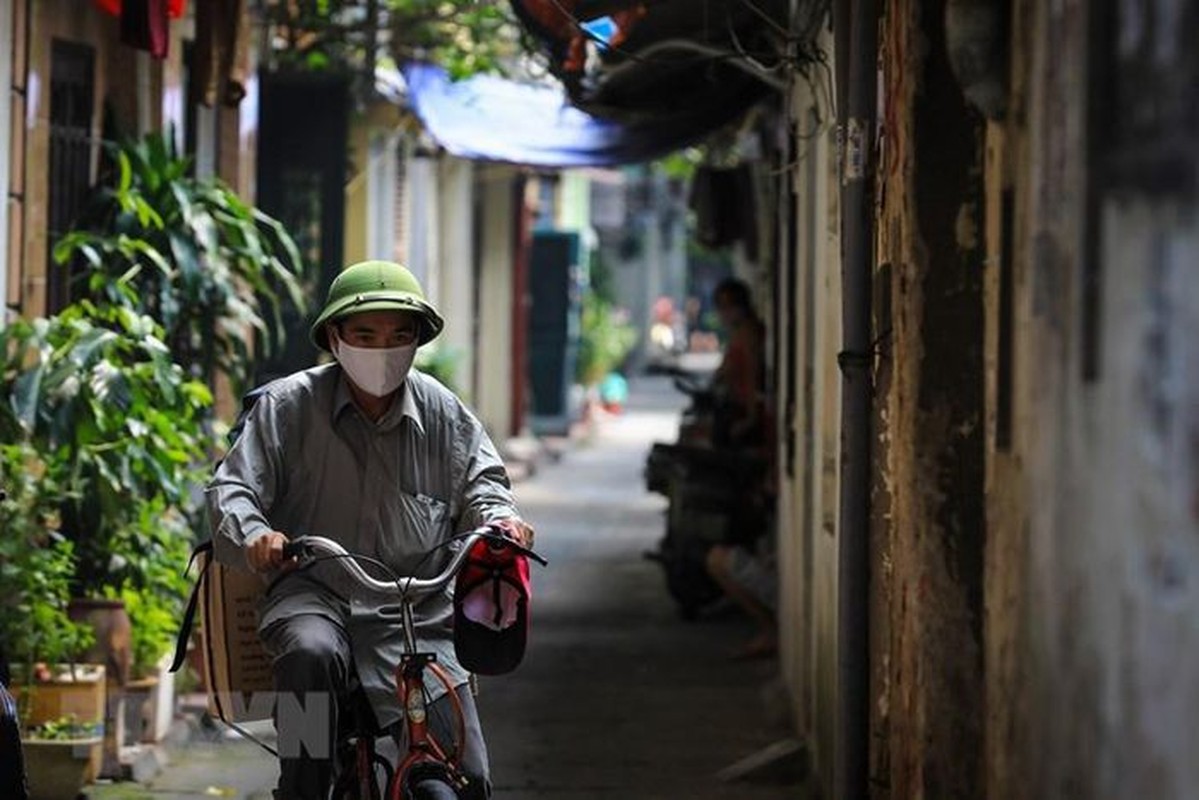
[
  {"x": 114, "y": 647},
  {"x": 114, "y": 634},
  {"x": 60, "y": 769},
  {"x": 78, "y": 689}
]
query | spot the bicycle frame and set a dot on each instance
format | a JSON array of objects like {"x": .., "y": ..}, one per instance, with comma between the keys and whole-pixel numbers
[{"x": 423, "y": 749}]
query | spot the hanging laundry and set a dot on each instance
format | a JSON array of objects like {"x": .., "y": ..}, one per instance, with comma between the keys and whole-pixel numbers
[
  {"x": 145, "y": 25},
  {"x": 725, "y": 208},
  {"x": 175, "y": 8}
]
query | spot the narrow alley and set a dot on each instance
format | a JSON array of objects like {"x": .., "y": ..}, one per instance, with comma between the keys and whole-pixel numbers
[{"x": 617, "y": 696}]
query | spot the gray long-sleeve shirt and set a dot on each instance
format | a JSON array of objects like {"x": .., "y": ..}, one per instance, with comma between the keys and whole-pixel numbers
[{"x": 309, "y": 462}]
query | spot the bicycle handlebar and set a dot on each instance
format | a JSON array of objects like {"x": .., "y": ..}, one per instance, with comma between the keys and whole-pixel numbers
[{"x": 310, "y": 547}]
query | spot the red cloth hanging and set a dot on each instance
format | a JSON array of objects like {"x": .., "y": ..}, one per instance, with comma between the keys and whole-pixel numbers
[
  {"x": 145, "y": 25},
  {"x": 175, "y": 8}
]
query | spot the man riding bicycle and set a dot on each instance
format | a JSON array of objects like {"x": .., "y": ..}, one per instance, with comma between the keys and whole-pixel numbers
[{"x": 389, "y": 463}]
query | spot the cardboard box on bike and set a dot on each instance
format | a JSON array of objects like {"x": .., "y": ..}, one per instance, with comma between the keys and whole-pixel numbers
[{"x": 237, "y": 668}]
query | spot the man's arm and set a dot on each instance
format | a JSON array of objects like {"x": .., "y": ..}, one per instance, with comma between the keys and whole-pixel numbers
[
  {"x": 243, "y": 490},
  {"x": 485, "y": 492}
]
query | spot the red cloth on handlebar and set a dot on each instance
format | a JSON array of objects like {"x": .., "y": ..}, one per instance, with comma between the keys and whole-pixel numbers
[{"x": 491, "y": 609}]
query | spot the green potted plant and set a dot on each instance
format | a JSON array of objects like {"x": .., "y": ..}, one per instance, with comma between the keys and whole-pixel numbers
[
  {"x": 605, "y": 339},
  {"x": 62, "y": 755},
  {"x": 37, "y": 565},
  {"x": 212, "y": 275},
  {"x": 215, "y": 274},
  {"x": 97, "y": 389},
  {"x": 155, "y": 613},
  {"x": 212, "y": 270},
  {"x": 119, "y": 426}
]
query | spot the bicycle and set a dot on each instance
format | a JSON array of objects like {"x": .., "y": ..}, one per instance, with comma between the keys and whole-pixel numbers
[{"x": 428, "y": 768}]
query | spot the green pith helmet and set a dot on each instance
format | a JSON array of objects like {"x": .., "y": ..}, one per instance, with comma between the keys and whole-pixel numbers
[{"x": 376, "y": 286}]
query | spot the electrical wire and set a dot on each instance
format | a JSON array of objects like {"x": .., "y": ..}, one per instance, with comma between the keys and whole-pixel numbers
[
  {"x": 714, "y": 53},
  {"x": 740, "y": 49},
  {"x": 769, "y": 19}
]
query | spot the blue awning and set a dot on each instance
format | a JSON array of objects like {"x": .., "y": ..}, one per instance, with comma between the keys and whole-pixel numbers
[{"x": 488, "y": 118}]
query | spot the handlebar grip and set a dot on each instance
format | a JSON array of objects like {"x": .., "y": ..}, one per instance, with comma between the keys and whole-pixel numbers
[
  {"x": 496, "y": 541},
  {"x": 295, "y": 548}
]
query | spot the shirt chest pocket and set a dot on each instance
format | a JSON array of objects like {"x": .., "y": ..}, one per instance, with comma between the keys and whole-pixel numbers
[{"x": 419, "y": 523}]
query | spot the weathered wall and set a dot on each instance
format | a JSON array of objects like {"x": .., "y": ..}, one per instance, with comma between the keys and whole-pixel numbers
[
  {"x": 237, "y": 126},
  {"x": 49, "y": 20},
  {"x": 1012, "y": 374},
  {"x": 929, "y": 530},
  {"x": 1093, "y": 570},
  {"x": 1035, "y": 528},
  {"x": 371, "y": 158},
  {"x": 1007, "y": 531},
  {"x": 7, "y": 56},
  {"x": 457, "y": 291},
  {"x": 136, "y": 107},
  {"x": 493, "y": 377},
  {"x": 808, "y": 402}
]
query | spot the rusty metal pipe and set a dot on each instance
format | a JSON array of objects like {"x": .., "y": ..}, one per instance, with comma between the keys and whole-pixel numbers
[{"x": 852, "y": 724}]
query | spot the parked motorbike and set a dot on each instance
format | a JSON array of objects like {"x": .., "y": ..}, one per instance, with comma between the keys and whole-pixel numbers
[{"x": 711, "y": 484}]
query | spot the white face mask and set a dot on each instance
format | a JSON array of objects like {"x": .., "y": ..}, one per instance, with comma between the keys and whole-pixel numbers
[{"x": 378, "y": 371}]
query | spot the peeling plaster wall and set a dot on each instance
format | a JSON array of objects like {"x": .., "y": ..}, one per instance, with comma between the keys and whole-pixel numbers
[
  {"x": 1093, "y": 569},
  {"x": 928, "y": 529},
  {"x": 1035, "y": 528},
  {"x": 1010, "y": 610},
  {"x": 1005, "y": 579},
  {"x": 825, "y": 456},
  {"x": 810, "y": 414},
  {"x": 1130, "y": 623}
]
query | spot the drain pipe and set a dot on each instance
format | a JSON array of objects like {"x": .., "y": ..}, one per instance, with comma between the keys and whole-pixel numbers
[{"x": 859, "y": 18}]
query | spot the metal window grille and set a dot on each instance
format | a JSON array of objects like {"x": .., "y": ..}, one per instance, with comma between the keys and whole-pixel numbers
[{"x": 72, "y": 87}]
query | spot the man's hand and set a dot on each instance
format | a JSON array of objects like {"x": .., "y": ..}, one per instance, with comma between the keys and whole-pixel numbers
[
  {"x": 266, "y": 552},
  {"x": 517, "y": 530}
]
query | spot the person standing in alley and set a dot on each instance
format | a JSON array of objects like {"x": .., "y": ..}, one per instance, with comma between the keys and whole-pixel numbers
[
  {"x": 747, "y": 573},
  {"x": 740, "y": 379},
  {"x": 389, "y": 463}
]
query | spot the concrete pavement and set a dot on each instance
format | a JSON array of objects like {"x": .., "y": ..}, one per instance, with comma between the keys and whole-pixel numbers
[{"x": 617, "y": 696}]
